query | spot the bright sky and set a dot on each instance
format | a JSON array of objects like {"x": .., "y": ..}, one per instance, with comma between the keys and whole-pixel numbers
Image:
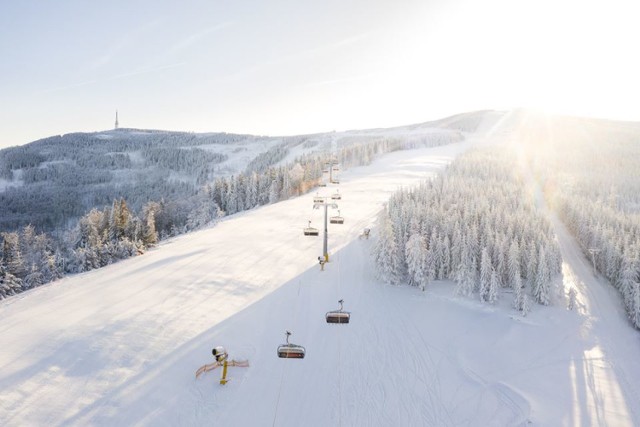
[{"x": 281, "y": 67}]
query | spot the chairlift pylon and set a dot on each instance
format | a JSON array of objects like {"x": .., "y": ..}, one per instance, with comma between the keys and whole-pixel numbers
[
  {"x": 290, "y": 351},
  {"x": 311, "y": 231},
  {"x": 338, "y": 316}
]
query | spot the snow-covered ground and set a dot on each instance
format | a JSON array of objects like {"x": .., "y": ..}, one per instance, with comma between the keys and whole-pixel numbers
[{"x": 120, "y": 345}]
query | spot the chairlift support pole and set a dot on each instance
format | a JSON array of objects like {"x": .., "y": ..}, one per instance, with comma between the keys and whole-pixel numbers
[
  {"x": 325, "y": 250},
  {"x": 331, "y": 164},
  {"x": 325, "y": 243}
]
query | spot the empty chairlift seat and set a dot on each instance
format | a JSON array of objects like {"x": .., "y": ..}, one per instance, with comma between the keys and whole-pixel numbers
[
  {"x": 336, "y": 196},
  {"x": 337, "y": 219},
  {"x": 290, "y": 351},
  {"x": 338, "y": 316},
  {"x": 311, "y": 231}
]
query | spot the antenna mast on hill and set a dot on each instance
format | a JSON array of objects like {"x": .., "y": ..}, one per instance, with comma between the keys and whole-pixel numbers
[{"x": 116, "y": 119}]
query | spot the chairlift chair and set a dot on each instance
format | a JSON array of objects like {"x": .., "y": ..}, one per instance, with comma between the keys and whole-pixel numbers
[
  {"x": 338, "y": 316},
  {"x": 318, "y": 199},
  {"x": 290, "y": 351},
  {"x": 336, "y": 219},
  {"x": 336, "y": 195},
  {"x": 335, "y": 181},
  {"x": 311, "y": 231}
]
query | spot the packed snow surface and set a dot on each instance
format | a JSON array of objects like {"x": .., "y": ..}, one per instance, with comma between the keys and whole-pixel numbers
[{"x": 120, "y": 345}]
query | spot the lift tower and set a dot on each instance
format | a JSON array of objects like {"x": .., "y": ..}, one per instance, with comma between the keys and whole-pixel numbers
[{"x": 326, "y": 204}]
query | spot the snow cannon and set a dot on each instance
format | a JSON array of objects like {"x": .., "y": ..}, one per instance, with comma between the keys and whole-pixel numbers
[{"x": 219, "y": 353}]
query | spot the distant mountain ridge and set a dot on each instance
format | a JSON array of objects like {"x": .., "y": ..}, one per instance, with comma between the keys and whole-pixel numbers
[{"x": 53, "y": 181}]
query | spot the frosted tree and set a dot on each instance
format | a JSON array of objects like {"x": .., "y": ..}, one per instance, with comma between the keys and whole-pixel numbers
[
  {"x": 436, "y": 253},
  {"x": 541, "y": 288},
  {"x": 274, "y": 192},
  {"x": 513, "y": 264},
  {"x": 33, "y": 279},
  {"x": 456, "y": 249},
  {"x": 429, "y": 266},
  {"x": 9, "y": 284},
  {"x": 485, "y": 274},
  {"x": 445, "y": 255},
  {"x": 232, "y": 197},
  {"x": 112, "y": 231},
  {"x": 252, "y": 191},
  {"x": 494, "y": 286},
  {"x": 12, "y": 255},
  {"x": 124, "y": 218},
  {"x": 518, "y": 292},
  {"x": 150, "y": 235},
  {"x": 572, "y": 298},
  {"x": 386, "y": 254},
  {"x": 634, "y": 311},
  {"x": 532, "y": 266},
  {"x": 526, "y": 304},
  {"x": 627, "y": 278},
  {"x": 296, "y": 175},
  {"x": 415, "y": 257},
  {"x": 465, "y": 276}
]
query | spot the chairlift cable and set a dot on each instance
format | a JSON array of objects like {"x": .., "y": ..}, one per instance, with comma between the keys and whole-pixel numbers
[
  {"x": 275, "y": 415},
  {"x": 339, "y": 350},
  {"x": 295, "y": 322}
]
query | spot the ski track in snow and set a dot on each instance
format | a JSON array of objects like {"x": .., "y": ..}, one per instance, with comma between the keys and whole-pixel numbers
[{"x": 120, "y": 345}]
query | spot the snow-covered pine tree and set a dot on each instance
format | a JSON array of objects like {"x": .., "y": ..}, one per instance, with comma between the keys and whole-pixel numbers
[
  {"x": 9, "y": 284},
  {"x": 634, "y": 309},
  {"x": 12, "y": 255},
  {"x": 526, "y": 304},
  {"x": 415, "y": 257},
  {"x": 112, "y": 231},
  {"x": 485, "y": 274},
  {"x": 33, "y": 279},
  {"x": 627, "y": 278},
  {"x": 150, "y": 236},
  {"x": 518, "y": 292},
  {"x": 386, "y": 251},
  {"x": 532, "y": 265},
  {"x": 541, "y": 287},
  {"x": 494, "y": 285},
  {"x": 572, "y": 298},
  {"x": 436, "y": 253},
  {"x": 274, "y": 192},
  {"x": 445, "y": 255},
  {"x": 513, "y": 264}
]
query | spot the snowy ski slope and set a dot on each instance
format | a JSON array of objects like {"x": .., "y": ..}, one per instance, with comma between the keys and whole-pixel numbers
[{"x": 120, "y": 345}]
